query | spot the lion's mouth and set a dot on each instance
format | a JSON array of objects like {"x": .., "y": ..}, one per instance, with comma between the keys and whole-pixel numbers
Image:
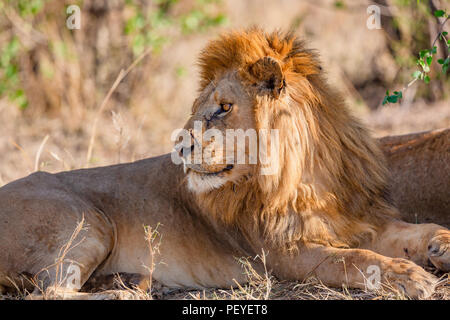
[{"x": 208, "y": 173}]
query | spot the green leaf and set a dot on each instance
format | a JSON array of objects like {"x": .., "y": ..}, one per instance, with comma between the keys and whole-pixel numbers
[
  {"x": 392, "y": 98},
  {"x": 424, "y": 65},
  {"x": 426, "y": 79},
  {"x": 429, "y": 60},
  {"x": 441, "y": 61},
  {"x": 445, "y": 65},
  {"x": 439, "y": 13},
  {"x": 417, "y": 74}
]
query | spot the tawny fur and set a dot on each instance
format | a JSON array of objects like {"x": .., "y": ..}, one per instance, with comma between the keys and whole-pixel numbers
[
  {"x": 419, "y": 166},
  {"x": 318, "y": 135}
]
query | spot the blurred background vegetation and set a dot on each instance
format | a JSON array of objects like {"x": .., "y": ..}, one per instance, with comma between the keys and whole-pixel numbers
[{"x": 53, "y": 80}]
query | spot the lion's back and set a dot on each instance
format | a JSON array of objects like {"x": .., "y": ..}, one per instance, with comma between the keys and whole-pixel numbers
[{"x": 420, "y": 175}]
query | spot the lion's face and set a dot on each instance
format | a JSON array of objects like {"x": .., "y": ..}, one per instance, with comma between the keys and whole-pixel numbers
[
  {"x": 227, "y": 138},
  {"x": 223, "y": 110}
]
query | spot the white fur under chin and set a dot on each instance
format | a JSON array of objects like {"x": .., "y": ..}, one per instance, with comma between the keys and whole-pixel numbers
[{"x": 203, "y": 183}]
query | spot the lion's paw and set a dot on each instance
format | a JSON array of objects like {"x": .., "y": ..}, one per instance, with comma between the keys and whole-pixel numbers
[
  {"x": 439, "y": 250},
  {"x": 409, "y": 278}
]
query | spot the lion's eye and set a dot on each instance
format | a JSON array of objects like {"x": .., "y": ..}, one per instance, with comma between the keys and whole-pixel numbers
[{"x": 226, "y": 107}]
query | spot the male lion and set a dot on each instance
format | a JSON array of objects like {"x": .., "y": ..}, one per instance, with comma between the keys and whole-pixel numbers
[{"x": 325, "y": 212}]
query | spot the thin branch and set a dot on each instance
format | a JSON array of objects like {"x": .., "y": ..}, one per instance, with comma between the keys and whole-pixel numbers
[
  {"x": 440, "y": 34},
  {"x": 440, "y": 31}
]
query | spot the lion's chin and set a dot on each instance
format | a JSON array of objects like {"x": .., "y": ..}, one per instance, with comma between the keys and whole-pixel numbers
[{"x": 201, "y": 183}]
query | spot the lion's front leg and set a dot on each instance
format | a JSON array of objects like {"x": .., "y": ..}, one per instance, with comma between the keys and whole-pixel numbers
[
  {"x": 356, "y": 268},
  {"x": 421, "y": 243}
]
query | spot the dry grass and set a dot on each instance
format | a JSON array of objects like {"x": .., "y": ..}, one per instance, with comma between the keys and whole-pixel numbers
[
  {"x": 54, "y": 270},
  {"x": 266, "y": 287}
]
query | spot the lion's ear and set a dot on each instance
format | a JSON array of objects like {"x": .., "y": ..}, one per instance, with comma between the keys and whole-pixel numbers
[{"x": 266, "y": 76}]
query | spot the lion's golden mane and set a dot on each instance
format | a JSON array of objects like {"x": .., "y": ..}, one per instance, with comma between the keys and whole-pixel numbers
[{"x": 331, "y": 185}]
